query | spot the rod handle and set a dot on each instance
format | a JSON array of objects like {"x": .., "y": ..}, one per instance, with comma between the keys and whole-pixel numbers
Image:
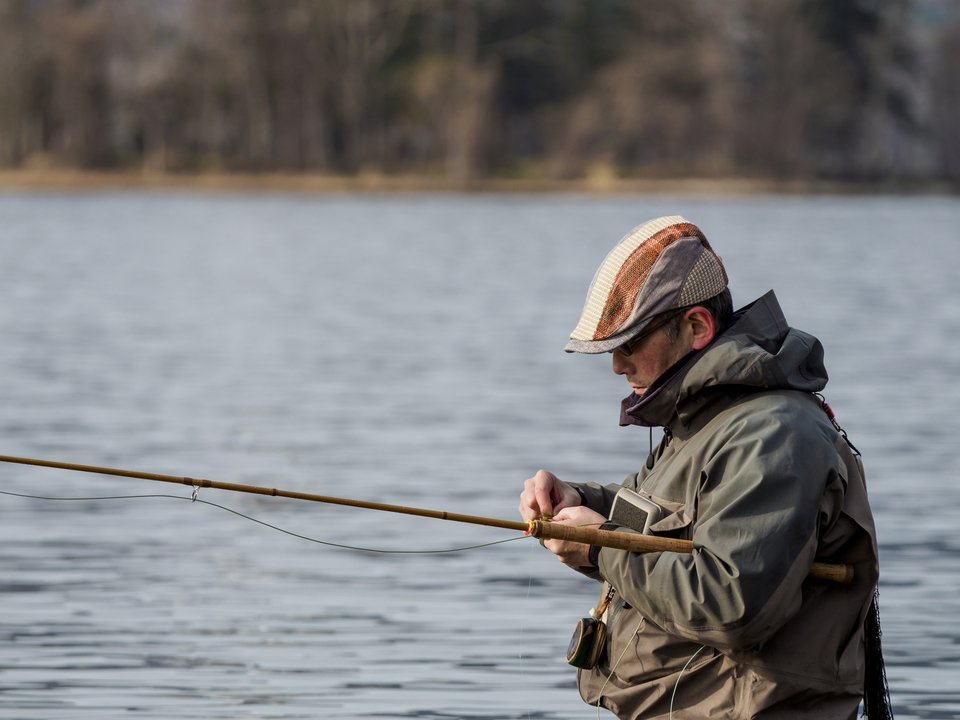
[
  {"x": 840, "y": 573},
  {"x": 608, "y": 538},
  {"x": 634, "y": 542}
]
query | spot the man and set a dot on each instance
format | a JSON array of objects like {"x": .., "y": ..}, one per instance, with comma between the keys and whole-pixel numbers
[{"x": 751, "y": 468}]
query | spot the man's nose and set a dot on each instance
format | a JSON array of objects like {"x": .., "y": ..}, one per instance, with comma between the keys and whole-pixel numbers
[{"x": 619, "y": 362}]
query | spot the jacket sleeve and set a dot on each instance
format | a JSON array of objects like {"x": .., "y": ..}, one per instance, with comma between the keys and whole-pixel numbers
[
  {"x": 599, "y": 498},
  {"x": 755, "y": 519}
]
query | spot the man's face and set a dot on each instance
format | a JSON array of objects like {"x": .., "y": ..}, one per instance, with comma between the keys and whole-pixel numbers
[{"x": 649, "y": 358}]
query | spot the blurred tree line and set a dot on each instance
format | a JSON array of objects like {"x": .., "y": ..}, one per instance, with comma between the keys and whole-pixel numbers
[{"x": 854, "y": 90}]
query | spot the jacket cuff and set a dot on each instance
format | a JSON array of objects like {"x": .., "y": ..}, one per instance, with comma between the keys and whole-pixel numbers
[
  {"x": 594, "y": 553},
  {"x": 594, "y": 556},
  {"x": 583, "y": 497}
]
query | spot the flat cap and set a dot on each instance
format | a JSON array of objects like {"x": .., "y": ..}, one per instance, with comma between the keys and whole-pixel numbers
[{"x": 662, "y": 265}]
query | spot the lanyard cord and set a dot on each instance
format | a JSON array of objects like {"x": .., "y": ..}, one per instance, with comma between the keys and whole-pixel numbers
[{"x": 623, "y": 652}]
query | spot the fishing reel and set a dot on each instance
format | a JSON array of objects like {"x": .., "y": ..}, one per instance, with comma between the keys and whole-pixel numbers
[
  {"x": 587, "y": 643},
  {"x": 590, "y": 634}
]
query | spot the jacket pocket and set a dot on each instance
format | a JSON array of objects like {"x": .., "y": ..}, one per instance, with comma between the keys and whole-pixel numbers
[{"x": 676, "y": 522}]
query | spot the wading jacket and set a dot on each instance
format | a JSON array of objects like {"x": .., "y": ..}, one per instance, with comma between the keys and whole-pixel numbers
[{"x": 752, "y": 470}]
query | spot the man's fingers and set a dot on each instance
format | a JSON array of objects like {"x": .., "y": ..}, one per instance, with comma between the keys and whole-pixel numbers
[
  {"x": 528, "y": 508},
  {"x": 569, "y": 553},
  {"x": 540, "y": 495},
  {"x": 544, "y": 500}
]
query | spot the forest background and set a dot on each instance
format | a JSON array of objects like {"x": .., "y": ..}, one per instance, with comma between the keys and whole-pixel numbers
[{"x": 460, "y": 93}]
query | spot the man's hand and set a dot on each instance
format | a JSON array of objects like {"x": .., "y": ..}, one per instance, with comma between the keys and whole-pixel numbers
[
  {"x": 546, "y": 494},
  {"x": 574, "y": 554}
]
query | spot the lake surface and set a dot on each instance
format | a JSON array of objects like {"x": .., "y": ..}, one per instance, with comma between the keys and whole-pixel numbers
[{"x": 406, "y": 349}]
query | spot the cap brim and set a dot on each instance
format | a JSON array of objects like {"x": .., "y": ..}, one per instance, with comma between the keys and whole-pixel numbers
[
  {"x": 592, "y": 347},
  {"x": 595, "y": 347}
]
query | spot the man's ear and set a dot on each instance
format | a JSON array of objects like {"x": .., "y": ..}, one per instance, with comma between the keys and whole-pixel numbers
[{"x": 702, "y": 326}]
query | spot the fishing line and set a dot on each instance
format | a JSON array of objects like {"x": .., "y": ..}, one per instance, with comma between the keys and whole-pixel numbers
[
  {"x": 523, "y": 631},
  {"x": 341, "y": 546},
  {"x": 677, "y": 684}
]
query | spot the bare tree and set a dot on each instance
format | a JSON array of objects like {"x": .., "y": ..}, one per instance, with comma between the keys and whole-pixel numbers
[
  {"x": 661, "y": 106},
  {"x": 18, "y": 125},
  {"x": 945, "y": 102},
  {"x": 469, "y": 88}
]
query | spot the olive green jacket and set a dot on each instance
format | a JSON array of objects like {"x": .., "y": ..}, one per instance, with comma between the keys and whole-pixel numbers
[{"x": 753, "y": 471}]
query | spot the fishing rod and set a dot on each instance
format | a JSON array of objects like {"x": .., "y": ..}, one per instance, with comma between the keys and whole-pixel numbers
[{"x": 541, "y": 529}]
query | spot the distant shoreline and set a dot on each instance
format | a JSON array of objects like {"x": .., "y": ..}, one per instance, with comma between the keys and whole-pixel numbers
[{"x": 99, "y": 181}]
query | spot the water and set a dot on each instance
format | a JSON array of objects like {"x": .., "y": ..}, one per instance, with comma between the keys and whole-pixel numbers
[{"x": 408, "y": 350}]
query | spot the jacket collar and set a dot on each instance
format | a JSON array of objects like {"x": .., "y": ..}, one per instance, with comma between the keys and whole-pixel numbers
[
  {"x": 758, "y": 351},
  {"x": 656, "y": 406}
]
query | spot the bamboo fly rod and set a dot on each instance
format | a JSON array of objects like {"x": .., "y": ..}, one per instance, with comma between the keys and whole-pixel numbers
[{"x": 538, "y": 528}]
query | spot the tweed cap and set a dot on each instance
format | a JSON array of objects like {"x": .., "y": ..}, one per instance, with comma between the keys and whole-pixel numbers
[{"x": 659, "y": 266}]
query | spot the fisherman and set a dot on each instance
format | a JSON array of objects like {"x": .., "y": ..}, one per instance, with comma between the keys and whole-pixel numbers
[{"x": 752, "y": 468}]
